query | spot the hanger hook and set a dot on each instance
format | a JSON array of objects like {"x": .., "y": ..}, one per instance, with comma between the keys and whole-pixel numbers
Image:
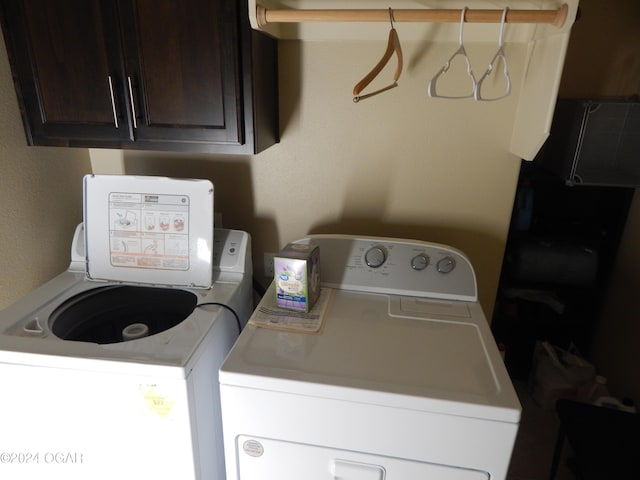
[
  {"x": 504, "y": 20},
  {"x": 462, "y": 14},
  {"x": 391, "y": 16}
]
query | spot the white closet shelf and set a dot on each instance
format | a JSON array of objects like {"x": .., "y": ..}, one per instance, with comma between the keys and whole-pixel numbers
[{"x": 541, "y": 26}]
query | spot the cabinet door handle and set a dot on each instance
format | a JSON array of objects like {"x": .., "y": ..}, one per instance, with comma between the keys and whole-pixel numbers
[
  {"x": 133, "y": 107},
  {"x": 113, "y": 103}
]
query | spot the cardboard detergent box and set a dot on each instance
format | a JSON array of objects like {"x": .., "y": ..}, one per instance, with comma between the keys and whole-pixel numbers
[{"x": 297, "y": 276}]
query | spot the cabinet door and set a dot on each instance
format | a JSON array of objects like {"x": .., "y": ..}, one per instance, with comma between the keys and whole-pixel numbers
[
  {"x": 182, "y": 70},
  {"x": 66, "y": 60}
]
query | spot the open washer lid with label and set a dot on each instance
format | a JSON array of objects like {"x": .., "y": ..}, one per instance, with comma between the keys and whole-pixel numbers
[{"x": 149, "y": 230}]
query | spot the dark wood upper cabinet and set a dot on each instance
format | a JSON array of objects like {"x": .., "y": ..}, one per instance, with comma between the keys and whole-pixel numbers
[
  {"x": 181, "y": 70},
  {"x": 144, "y": 74},
  {"x": 65, "y": 60}
]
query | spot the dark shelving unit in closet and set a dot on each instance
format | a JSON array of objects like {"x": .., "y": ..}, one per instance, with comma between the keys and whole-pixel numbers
[
  {"x": 560, "y": 251},
  {"x": 568, "y": 217},
  {"x": 595, "y": 142}
]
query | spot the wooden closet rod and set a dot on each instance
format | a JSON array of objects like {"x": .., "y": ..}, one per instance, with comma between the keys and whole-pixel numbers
[{"x": 553, "y": 17}]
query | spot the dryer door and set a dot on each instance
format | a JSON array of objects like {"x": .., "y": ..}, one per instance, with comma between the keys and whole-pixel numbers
[{"x": 259, "y": 458}]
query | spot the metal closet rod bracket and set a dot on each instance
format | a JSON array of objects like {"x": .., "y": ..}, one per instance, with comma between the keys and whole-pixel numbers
[{"x": 555, "y": 17}]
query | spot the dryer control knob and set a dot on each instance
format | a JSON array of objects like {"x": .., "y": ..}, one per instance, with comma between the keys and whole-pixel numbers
[
  {"x": 375, "y": 256},
  {"x": 446, "y": 264},
  {"x": 420, "y": 261}
]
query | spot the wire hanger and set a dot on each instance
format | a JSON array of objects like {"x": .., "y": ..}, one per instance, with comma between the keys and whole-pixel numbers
[
  {"x": 393, "y": 45},
  {"x": 432, "y": 90},
  {"x": 500, "y": 55}
]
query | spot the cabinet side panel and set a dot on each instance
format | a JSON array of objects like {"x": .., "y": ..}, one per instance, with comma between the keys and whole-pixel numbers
[{"x": 264, "y": 58}]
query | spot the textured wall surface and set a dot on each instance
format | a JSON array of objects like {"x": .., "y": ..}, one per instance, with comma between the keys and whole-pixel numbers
[{"x": 40, "y": 200}]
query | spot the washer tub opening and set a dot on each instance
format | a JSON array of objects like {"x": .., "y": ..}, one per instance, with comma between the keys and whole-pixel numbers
[{"x": 100, "y": 315}]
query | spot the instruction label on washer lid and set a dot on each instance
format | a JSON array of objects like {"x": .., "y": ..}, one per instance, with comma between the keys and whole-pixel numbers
[{"x": 149, "y": 230}]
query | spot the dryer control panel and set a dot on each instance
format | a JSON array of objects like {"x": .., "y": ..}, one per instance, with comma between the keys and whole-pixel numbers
[{"x": 394, "y": 266}]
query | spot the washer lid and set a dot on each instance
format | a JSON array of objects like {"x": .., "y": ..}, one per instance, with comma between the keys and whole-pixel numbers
[
  {"x": 377, "y": 352},
  {"x": 150, "y": 230}
]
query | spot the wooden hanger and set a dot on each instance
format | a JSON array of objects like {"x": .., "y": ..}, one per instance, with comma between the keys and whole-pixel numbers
[{"x": 393, "y": 45}]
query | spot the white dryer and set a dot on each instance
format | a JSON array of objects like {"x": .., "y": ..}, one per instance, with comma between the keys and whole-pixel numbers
[
  {"x": 402, "y": 381},
  {"x": 110, "y": 370}
]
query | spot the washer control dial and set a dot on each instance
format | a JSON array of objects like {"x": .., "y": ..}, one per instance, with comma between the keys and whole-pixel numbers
[
  {"x": 375, "y": 257},
  {"x": 420, "y": 261},
  {"x": 446, "y": 264}
]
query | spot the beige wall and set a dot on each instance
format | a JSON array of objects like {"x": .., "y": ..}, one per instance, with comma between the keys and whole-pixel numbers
[
  {"x": 399, "y": 164},
  {"x": 616, "y": 351},
  {"x": 40, "y": 200},
  {"x": 603, "y": 60}
]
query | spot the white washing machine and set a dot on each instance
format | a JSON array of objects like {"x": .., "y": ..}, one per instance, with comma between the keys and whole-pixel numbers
[
  {"x": 110, "y": 370},
  {"x": 402, "y": 380}
]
